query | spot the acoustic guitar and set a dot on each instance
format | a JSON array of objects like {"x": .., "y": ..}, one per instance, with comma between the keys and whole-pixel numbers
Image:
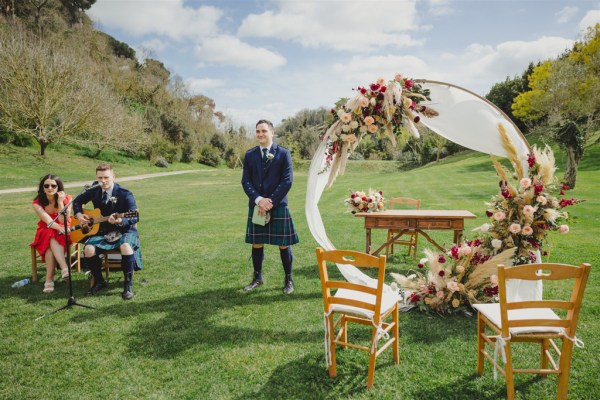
[{"x": 79, "y": 232}]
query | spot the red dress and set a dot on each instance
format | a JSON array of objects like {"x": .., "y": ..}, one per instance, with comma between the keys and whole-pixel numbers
[{"x": 43, "y": 235}]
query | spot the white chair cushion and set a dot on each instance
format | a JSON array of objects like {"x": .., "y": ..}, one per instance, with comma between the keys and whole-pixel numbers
[
  {"x": 492, "y": 312},
  {"x": 388, "y": 301}
]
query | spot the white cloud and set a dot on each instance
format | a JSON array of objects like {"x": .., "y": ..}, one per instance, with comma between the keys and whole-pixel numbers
[
  {"x": 154, "y": 45},
  {"x": 229, "y": 50},
  {"x": 566, "y": 14},
  {"x": 440, "y": 7},
  {"x": 360, "y": 69},
  {"x": 237, "y": 93},
  {"x": 353, "y": 26},
  {"x": 201, "y": 85},
  {"x": 167, "y": 18},
  {"x": 591, "y": 18}
]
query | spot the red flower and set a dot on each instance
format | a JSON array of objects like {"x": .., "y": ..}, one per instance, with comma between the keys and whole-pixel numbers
[
  {"x": 489, "y": 213},
  {"x": 441, "y": 259},
  {"x": 538, "y": 187},
  {"x": 382, "y": 89},
  {"x": 531, "y": 160},
  {"x": 408, "y": 83},
  {"x": 562, "y": 192},
  {"x": 442, "y": 273},
  {"x": 362, "y": 90},
  {"x": 565, "y": 187},
  {"x": 414, "y": 298},
  {"x": 420, "y": 265},
  {"x": 374, "y": 87},
  {"x": 417, "y": 119}
]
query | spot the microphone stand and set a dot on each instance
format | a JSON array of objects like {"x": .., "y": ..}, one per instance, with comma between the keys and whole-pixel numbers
[{"x": 71, "y": 301}]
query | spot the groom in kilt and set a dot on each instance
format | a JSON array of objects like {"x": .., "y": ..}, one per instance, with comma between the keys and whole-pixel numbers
[
  {"x": 111, "y": 199},
  {"x": 267, "y": 179}
]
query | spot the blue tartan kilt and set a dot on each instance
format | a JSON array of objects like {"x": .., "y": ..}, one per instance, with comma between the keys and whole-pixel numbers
[
  {"x": 280, "y": 230},
  {"x": 128, "y": 237}
]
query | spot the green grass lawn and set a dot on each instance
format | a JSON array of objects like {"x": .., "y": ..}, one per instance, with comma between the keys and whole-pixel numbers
[{"x": 191, "y": 333}]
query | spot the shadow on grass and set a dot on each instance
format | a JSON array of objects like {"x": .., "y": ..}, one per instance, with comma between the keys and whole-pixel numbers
[
  {"x": 213, "y": 318},
  {"x": 308, "y": 378}
]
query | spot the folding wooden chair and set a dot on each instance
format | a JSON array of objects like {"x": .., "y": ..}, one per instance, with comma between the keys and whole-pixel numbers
[
  {"x": 410, "y": 238},
  {"x": 532, "y": 321},
  {"x": 358, "y": 303}
]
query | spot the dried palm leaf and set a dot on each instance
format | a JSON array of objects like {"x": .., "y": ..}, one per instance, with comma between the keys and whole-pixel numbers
[
  {"x": 511, "y": 151},
  {"x": 482, "y": 272}
]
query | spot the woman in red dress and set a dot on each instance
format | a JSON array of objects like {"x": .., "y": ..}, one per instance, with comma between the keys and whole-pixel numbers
[{"x": 50, "y": 242}]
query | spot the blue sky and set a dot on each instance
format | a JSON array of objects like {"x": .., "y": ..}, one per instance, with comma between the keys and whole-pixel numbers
[{"x": 273, "y": 58}]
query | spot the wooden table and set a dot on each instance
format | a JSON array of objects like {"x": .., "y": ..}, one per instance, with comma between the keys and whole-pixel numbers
[{"x": 417, "y": 221}]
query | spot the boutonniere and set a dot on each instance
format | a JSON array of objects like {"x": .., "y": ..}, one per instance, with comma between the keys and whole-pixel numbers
[
  {"x": 270, "y": 156},
  {"x": 113, "y": 200}
]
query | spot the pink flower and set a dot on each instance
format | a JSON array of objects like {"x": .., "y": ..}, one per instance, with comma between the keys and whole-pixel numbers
[
  {"x": 381, "y": 81},
  {"x": 440, "y": 294},
  {"x": 563, "y": 229},
  {"x": 542, "y": 200},
  {"x": 527, "y": 230},
  {"x": 373, "y": 128},
  {"x": 525, "y": 183},
  {"x": 398, "y": 77},
  {"x": 364, "y": 102},
  {"x": 514, "y": 228},
  {"x": 369, "y": 120},
  {"x": 464, "y": 250},
  {"x": 499, "y": 216}
]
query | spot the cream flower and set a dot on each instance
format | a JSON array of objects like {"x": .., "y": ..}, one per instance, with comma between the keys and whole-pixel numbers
[
  {"x": 345, "y": 128},
  {"x": 381, "y": 81},
  {"x": 440, "y": 294},
  {"x": 373, "y": 101},
  {"x": 362, "y": 129},
  {"x": 464, "y": 250},
  {"x": 340, "y": 113},
  {"x": 346, "y": 117},
  {"x": 528, "y": 211},
  {"x": 525, "y": 183},
  {"x": 452, "y": 286},
  {"x": 496, "y": 243},
  {"x": 494, "y": 280},
  {"x": 398, "y": 77},
  {"x": 514, "y": 228},
  {"x": 563, "y": 229},
  {"x": 406, "y": 102},
  {"x": 542, "y": 200},
  {"x": 455, "y": 303},
  {"x": 499, "y": 215},
  {"x": 354, "y": 124},
  {"x": 460, "y": 269}
]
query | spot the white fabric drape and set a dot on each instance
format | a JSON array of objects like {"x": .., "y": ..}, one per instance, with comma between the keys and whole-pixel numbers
[{"x": 464, "y": 118}]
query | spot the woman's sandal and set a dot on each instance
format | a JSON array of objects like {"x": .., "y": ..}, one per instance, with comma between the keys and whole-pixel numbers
[
  {"x": 48, "y": 287},
  {"x": 65, "y": 274}
]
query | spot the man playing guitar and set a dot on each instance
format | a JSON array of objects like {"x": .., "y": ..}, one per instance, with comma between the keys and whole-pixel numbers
[{"x": 116, "y": 233}]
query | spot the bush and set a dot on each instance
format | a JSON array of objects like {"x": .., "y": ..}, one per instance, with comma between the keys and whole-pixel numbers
[
  {"x": 161, "y": 162},
  {"x": 209, "y": 156}
]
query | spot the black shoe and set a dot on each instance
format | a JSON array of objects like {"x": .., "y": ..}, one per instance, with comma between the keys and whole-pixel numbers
[
  {"x": 96, "y": 288},
  {"x": 288, "y": 285},
  {"x": 253, "y": 285},
  {"x": 127, "y": 293}
]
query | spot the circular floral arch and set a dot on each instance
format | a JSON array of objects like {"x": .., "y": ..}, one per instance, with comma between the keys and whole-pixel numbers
[{"x": 460, "y": 116}]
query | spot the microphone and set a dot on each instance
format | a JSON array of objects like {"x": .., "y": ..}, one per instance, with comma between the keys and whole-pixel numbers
[{"x": 93, "y": 185}]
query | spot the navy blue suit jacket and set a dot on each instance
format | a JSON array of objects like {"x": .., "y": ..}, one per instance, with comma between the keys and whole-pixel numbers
[
  {"x": 125, "y": 202},
  {"x": 271, "y": 179}
]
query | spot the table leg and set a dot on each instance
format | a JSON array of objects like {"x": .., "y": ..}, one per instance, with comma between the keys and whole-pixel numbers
[
  {"x": 368, "y": 250},
  {"x": 458, "y": 234}
]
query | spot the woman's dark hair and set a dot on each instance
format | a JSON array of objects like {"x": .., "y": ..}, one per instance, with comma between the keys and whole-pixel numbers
[{"x": 41, "y": 195}]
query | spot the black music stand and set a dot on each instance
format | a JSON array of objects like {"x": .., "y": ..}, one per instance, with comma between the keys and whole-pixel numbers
[{"x": 71, "y": 301}]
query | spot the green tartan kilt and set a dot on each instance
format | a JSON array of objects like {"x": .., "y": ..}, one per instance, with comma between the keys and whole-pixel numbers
[
  {"x": 280, "y": 230},
  {"x": 102, "y": 245}
]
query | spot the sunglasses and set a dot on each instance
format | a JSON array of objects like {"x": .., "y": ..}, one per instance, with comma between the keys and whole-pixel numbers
[{"x": 49, "y": 185}]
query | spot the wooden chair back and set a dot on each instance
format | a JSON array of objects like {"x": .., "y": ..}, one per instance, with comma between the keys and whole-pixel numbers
[{"x": 395, "y": 202}]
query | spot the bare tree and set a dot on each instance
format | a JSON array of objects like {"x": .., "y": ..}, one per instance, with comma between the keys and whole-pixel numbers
[{"x": 51, "y": 94}]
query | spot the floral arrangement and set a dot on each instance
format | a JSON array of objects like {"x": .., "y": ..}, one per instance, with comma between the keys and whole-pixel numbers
[
  {"x": 365, "y": 202},
  {"x": 383, "y": 108},
  {"x": 454, "y": 280},
  {"x": 521, "y": 216},
  {"x": 113, "y": 200}
]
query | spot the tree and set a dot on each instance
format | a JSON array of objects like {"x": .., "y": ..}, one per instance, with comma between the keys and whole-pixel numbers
[
  {"x": 51, "y": 95},
  {"x": 76, "y": 8},
  {"x": 566, "y": 93},
  {"x": 503, "y": 94}
]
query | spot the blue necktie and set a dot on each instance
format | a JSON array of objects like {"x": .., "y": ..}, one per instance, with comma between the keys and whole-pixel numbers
[{"x": 264, "y": 155}]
